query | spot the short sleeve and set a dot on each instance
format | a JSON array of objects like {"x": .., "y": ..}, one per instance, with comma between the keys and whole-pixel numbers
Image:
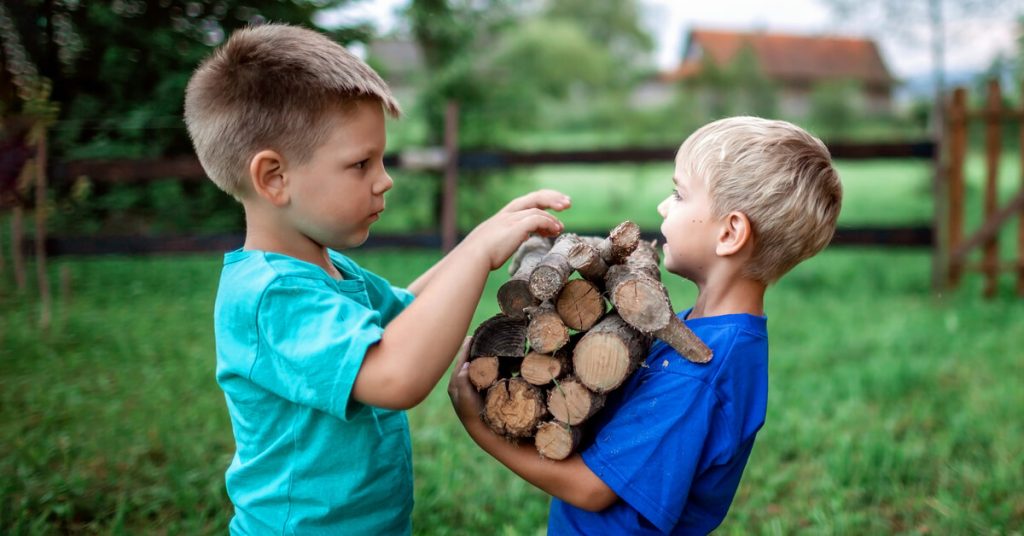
[
  {"x": 648, "y": 451},
  {"x": 386, "y": 298},
  {"x": 312, "y": 342}
]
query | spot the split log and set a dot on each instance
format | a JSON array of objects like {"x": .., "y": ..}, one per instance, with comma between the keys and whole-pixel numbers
[
  {"x": 608, "y": 354},
  {"x": 499, "y": 336},
  {"x": 514, "y": 295},
  {"x": 639, "y": 297},
  {"x": 555, "y": 440},
  {"x": 580, "y": 304},
  {"x": 553, "y": 270},
  {"x": 621, "y": 241},
  {"x": 546, "y": 331},
  {"x": 585, "y": 259},
  {"x": 514, "y": 408},
  {"x": 570, "y": 401}
]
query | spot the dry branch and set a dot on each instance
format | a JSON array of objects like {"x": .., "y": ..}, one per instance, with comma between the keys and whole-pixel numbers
[
  {"x": 621, "y": 241},
  {"x": 585, "y": 259},
  {"x": 553, "y": 270},
  {"x": 641, "y": 300}
]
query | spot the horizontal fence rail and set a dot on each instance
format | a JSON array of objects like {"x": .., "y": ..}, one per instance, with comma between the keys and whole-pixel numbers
[{"x": 187, "y": 168}]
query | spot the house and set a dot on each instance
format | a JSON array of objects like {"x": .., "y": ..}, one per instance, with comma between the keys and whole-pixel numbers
[{"x": 793, "y": 64}]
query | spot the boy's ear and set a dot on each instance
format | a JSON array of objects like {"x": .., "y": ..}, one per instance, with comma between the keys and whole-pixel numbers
[
  {"x": 734, "y": 234},
  {"x": 266, "y": 174}
]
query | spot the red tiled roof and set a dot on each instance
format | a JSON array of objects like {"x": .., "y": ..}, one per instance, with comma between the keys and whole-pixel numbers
[{"x": 791, "y": 58}]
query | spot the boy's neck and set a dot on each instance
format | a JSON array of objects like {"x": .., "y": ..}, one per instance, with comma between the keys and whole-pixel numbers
[
  {"x": 731, "y": 296},
  {"x": 263, "y": 234}
]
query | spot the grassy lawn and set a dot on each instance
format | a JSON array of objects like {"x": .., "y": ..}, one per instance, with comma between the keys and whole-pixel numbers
[{"x": 891, "y": 410}]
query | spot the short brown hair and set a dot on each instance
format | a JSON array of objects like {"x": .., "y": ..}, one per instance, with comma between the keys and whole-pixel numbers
[
  {"x": 269, "y": 87},
  {"x": 777, "y": 174}
]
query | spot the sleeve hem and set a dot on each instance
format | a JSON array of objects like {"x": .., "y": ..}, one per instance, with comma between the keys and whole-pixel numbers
[{"x": 637, "y": 500}]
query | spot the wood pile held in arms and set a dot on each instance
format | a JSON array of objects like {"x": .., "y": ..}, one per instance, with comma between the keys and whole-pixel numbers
[{"x": 548, "y": 360}]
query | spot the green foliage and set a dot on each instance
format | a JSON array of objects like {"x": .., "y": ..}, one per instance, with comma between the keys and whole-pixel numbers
[
  {"x": 736, "y": 88},
  {"x": 834, "y": 107}
]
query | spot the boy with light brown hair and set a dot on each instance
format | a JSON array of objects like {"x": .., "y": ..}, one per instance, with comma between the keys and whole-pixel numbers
[
  {"x": 316, "y": 356},
  {"x": 751, "y": 198}
]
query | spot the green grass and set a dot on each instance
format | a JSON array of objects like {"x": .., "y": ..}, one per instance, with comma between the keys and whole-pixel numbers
[{"x": 892, "y": 411}]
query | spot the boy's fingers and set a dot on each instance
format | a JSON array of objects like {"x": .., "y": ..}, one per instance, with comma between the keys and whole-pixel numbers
[
  {"x": 538, "y": 221},
  {"x": 543, "y": 199}
]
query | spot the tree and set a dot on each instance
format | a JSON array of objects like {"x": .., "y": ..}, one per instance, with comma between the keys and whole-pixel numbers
[{"x": 119, "y": 69}]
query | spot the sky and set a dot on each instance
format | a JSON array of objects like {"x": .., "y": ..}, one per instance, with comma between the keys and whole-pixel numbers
[{"x": 973, "y": 40}]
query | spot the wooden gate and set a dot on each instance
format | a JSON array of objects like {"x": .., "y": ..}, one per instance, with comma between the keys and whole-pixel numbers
[{"x": 954, "y": 256}]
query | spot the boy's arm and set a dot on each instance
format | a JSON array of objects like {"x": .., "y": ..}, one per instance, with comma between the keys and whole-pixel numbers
[
  {"x": 570, "y": 480},
  {"x": 417, "y": 346}
]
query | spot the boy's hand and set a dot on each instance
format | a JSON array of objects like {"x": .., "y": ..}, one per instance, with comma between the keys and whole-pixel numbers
[
  {"x": 500, "y": 236},
  {"x": 465, "y": 399}
]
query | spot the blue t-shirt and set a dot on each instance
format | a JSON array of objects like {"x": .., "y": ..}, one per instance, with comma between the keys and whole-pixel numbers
[
  {"x": 309, "y": 458},
  {"x": 672, "y": 442}
]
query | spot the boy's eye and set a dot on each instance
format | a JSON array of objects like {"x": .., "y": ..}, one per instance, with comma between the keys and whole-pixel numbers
[
  {"x": 362, "y": 164},
  {"x": 675, "y": 195}
]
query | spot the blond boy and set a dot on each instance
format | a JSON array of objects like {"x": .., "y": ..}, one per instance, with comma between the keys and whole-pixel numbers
[
  {"x": 318, "y": 357},
  {"x": 751, "y": 198}
]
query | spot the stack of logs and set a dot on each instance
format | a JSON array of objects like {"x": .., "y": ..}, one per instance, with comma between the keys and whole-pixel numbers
[{"x": 550, "y": 357}]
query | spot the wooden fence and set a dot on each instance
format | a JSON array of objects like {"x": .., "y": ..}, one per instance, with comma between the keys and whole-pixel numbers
[{"x": 954, "y": 249}]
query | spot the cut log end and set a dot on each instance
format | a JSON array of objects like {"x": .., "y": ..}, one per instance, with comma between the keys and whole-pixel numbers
[
  {"x": 556, "y": 441},
  {"x": 500, "y": 336},
  {"x": 580, "y": 304},
  {"x": 483, "y": 372},
  {"x": 608, "y": 354},
  {"x": 513, "y": 408},
  {"x": 514, "y": 297},
  {"x": 542, "y": 369},
  {"x": 546, "y": 331},
  {"x": 642, "y": 303},
  {"x": 546, "y": 281},
  {"x": 570, "y": 402}
]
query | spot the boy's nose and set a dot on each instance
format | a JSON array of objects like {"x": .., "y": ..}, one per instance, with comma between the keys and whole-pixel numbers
[
  {"x": 384, "y": 184},
  {"x": 663, "y": 208}
]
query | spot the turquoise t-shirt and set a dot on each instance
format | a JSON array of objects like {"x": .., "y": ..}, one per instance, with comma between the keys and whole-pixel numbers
[{"x": 309, "y": 458}]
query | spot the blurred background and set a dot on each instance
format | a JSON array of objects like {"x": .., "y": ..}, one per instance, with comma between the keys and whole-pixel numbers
[{"x": 897, "y": 366}]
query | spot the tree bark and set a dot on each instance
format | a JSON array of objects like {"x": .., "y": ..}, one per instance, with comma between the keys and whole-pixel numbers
[
  {"x": 580, "y": 304},
  {"x": 570, "y": 401},
  {"x": 553, "y": 271},
  {"x": 514, "y": 408},
  {"x": 555, "y": 440},
  {"x": 546, "y": 332},
  {"x": 514, "y": 295},
  {"x": 608, "y": 354}
]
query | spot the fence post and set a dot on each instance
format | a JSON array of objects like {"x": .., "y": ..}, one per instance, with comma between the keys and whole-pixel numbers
[
  {"x": 940, "y": 193},
  {"x": 957, "y": 150},
  {"x": 993, "y": 143},
  {"x": 1020, "y": 217},
  {"x": 40, "y": 234},
  {"x": 450, "y": 198}
]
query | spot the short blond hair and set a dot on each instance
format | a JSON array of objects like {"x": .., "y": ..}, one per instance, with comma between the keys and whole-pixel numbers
[
  {"x": 777, "y": 174},
  {"x": 271, "y": 87}
]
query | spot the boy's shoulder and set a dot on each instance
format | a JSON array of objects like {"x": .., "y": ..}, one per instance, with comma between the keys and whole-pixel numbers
[{"x": 735, "y": 340}]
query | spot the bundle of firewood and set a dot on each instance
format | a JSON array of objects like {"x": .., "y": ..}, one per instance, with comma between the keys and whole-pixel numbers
[{"x": 548, "y": 360}]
